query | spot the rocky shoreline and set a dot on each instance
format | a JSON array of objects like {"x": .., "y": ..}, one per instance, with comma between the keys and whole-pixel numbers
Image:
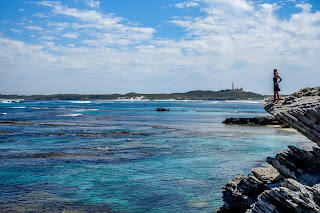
[
  {"x": 292, "y": 182},
  {"x": 260, "y": 121}
]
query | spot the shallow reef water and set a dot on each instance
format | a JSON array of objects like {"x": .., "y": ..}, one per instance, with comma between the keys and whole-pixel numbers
[{"x": 124, "y": 156}]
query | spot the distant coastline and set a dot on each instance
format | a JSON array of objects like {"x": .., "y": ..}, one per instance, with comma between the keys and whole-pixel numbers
[{"x": 191, "y": 95}]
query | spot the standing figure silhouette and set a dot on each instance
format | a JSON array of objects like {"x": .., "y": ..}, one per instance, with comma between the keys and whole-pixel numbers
[{"x": 276, "y": 87}]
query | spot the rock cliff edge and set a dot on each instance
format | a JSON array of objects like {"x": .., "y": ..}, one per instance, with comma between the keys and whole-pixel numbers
[{"x": 292, "y": 182}]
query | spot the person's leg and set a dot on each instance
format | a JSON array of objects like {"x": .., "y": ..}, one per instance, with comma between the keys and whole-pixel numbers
[
  {"x": 274, "y": 96},
  {"x": 278, "y": 95}
]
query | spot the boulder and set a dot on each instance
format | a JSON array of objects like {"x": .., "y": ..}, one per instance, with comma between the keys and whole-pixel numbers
[{"x": 267, "y": 175}]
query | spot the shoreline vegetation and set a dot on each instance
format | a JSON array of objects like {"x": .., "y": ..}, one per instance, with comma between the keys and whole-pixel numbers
[{"x": 191, "y": 95}]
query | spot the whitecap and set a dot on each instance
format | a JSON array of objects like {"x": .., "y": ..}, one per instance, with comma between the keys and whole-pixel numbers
[
  {"x": 20, "y": 107},
  {"x": 104, "y": 148},
  {"x": 86, "y": 110},
  {"x": 246, "y": 102},
  {"x": 80, "y": 102},
  {"x": 3, "y": 113},
  {"x": 9, "y": 101},
  {"x": 71, "y": 115},
  {"x": 37, "y": 108}
]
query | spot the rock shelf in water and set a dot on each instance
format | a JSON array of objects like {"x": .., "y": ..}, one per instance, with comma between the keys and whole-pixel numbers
[
  {"x": 264, "y": 120},
  {"x": 292, "y": 183}
]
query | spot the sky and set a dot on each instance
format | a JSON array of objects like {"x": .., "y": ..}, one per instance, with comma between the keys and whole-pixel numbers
[{"x": 157, "y": 46}]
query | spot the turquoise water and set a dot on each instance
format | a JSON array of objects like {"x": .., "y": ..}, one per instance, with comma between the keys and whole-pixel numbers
[{"x": 127, "y": 156}]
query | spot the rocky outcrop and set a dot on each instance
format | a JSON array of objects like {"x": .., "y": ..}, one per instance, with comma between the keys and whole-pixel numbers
[
  {"x": 298, "y": 164},
  {"x": 291, "y": 196},
  {"x": 301, "y": 110},
  {"x": 264, "y": 120},
  {"x": 292, "y": 184},
  {"x": 240, "y": 193}
]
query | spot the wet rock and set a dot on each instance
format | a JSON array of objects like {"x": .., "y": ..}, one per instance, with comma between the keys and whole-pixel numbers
[
  {"x": 264, "y": 120},
  {"x": 162, "y": 109},
  {"x": 240, "y": 193}
]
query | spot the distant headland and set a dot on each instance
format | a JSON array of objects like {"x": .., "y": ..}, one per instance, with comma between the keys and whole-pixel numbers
[{"x": 233, "y": 94}]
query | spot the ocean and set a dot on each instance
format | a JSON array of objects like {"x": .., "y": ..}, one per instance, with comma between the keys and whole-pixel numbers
[{"x": 124, "y": 156}]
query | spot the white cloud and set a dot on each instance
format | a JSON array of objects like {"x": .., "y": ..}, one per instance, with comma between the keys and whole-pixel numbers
[
  {"x": 70, "y": 35},
  {"x": 187, "y": 4},
  {"x": 21, "y": 10},
  {"x": 16, "y": 30},
  {"x": 48, "y": 38},
  {"x": 233, "y": 41},
  {"x": 229, "y": 6},
  {"x": 305, "y": 7},
  {"x": 40, "y": 15},
  {"x": 92, "y": 3},
  {"x": 59, "y": 26},
  {"x": 121, "y": 34},
  {"x": 33, "y": 28}
]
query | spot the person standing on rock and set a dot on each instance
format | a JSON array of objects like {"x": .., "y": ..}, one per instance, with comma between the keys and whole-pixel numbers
[{"x": 276, "y": 87}]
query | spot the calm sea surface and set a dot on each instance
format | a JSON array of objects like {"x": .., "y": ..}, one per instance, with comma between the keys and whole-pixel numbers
[{"x": 128, "y": 157}]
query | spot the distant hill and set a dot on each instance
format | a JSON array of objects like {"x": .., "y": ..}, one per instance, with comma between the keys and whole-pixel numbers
[{"x": 191, "y": 95}]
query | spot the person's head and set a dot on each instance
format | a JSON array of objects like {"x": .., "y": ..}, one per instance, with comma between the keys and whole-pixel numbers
[{"x": 275, "y": 71}]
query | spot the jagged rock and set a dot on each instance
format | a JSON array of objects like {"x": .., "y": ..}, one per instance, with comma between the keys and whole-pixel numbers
[
  {"x": 300, "y": 192},
  {"x": 291, "y": 196},
  {"x": 300, "y": 110},
  {"x": 267, "y": 175},
  {"x": 263, "y": 120},
  {"x": 240, "y": 193},
  {"x": 298, "y": 164}
]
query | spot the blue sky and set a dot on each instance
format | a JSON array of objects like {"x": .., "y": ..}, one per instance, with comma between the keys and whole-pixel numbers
[{"x": 120, "y": 46}]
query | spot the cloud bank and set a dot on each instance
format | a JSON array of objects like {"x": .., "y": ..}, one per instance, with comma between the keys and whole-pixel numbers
[{"x": 231, "y": 41}]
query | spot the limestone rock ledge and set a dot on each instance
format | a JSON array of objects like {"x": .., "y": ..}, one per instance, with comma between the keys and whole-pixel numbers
[
  {"x": 291, "y": 196},
  {"x": 300, "y": 110},
  {"x": 292, "y": 183},
  {"x": 264, "y": 120}
]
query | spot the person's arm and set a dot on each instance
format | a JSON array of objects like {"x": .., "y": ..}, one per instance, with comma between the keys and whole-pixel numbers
[{"x": 279, "y": 78}]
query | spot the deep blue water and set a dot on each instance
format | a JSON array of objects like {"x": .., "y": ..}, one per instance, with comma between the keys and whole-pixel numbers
[{"x": 129, "y": 157}]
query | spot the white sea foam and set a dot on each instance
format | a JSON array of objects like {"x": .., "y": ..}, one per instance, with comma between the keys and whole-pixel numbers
[
  {"x": 246, "y": 102},
  {"x": 3, "y": 113},
  {"x": 71, "y": 115},
  {"x": 86, "y": 110},
  {"x": 103, "y": 148},
  {"x": 20, "y": 107},
  {"x": 80, "y": 102},
  {"x": 107, "y": 102},
  {"x": 9, "y": 101}
]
